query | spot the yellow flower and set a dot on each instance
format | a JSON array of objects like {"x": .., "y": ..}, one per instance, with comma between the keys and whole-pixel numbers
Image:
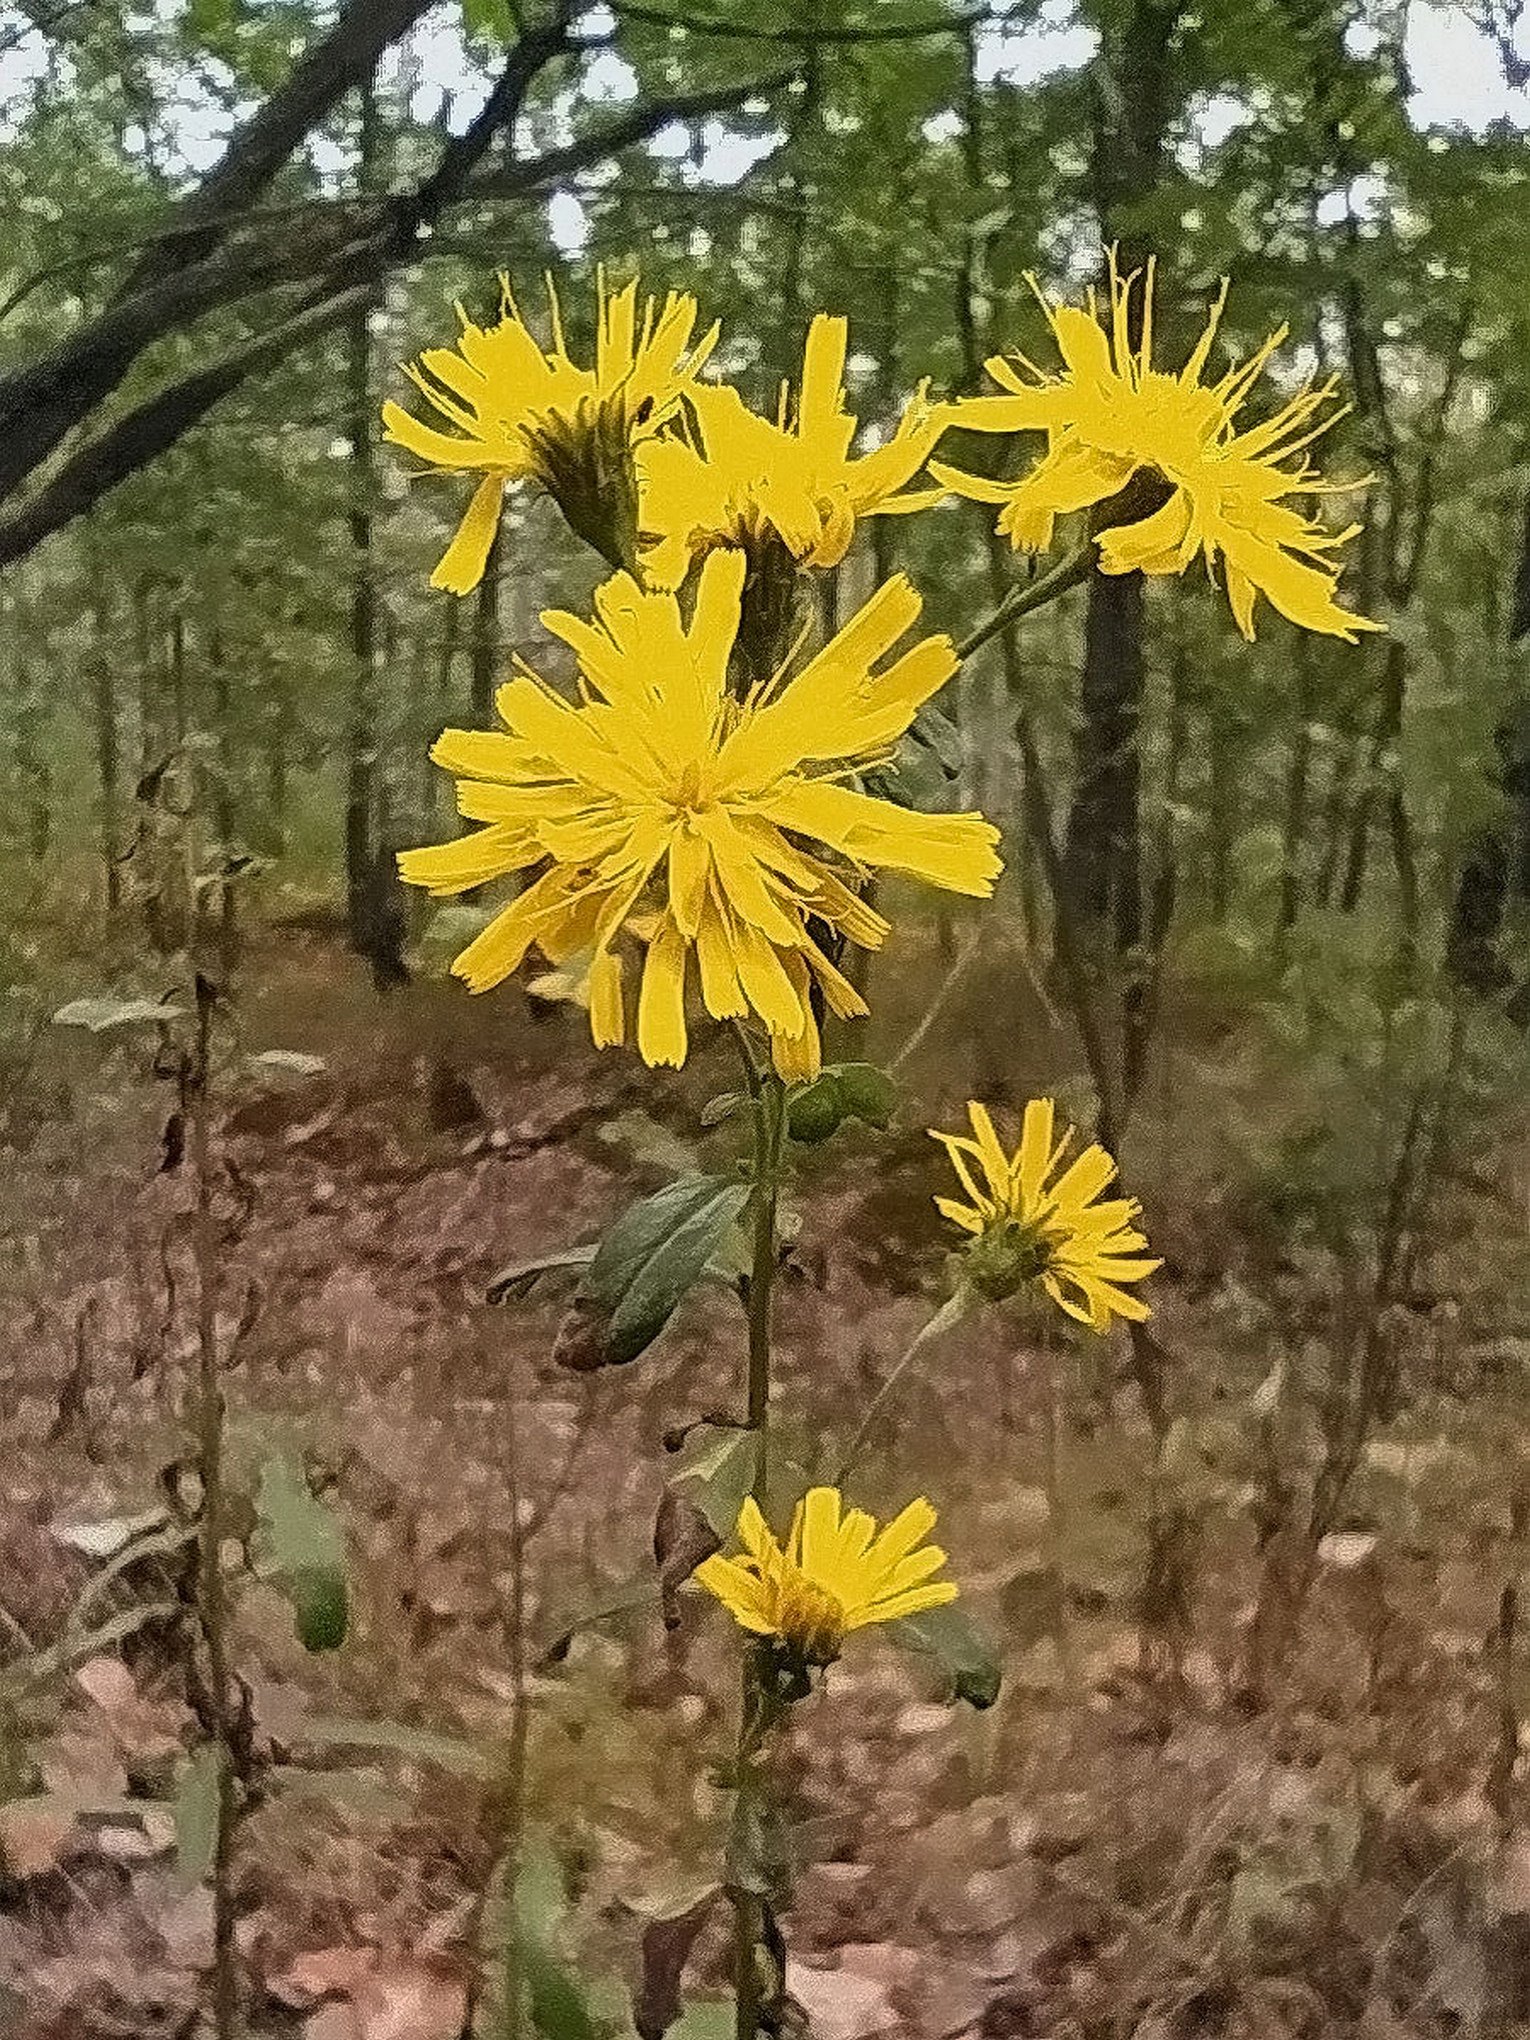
[
  {"x": 743, "y": 479},
  {"x": 1208, "y": 486},
  {"x": 663, "y": 806},
  {"x": 524, "y": 413},
  {"x": 1028, "y": 1229},
  {"x": 834, "y": 1573}
]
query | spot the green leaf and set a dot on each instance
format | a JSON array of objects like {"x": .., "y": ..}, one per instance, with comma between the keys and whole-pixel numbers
[
  {"x": 556, "y": 1996},
  {"x": 305, "y": 1550},
  {"x": 100, "y": 1015},
  {"x": 839, "y": 1092},
  {"x": 491, "y": 20},
  {"x": 717, "y": 1472},
  {"x": 869, "y": 1093},
  {"x": 705, "y": 2019},
  {"x": 211, "y": 17},
  {"x": 651, "y": 1257},
  {"x": 816, "y": 1112},
  {"x": 559, "y": 2007},
  {"x": 196, "y": 1815},
  {"x": 516, "y": 1281},
  {"x": 396, "y": 1738},
  {"x": 722, "y": 1107},
  {"x": 965, "y": 1654}
]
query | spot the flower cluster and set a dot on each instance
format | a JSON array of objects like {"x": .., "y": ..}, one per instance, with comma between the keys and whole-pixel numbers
[{"x": 693, "y": 828}]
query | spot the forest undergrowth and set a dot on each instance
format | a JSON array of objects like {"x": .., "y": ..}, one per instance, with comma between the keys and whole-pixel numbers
[{"x": 1127, "y": 1843}]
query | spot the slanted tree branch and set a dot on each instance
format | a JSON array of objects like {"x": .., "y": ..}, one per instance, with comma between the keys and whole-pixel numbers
[
  {"x": 44, "y": 401},
  {"x": 370, "y": 253},
  {"x": 741, "y": 31}
]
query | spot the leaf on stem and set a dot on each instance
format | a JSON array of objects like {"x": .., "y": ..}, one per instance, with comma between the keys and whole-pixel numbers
[
  {"x": 964, "y": 1653},
  {"x": 666, "y": 1948},
  {"x": 647, "y": 1262}
]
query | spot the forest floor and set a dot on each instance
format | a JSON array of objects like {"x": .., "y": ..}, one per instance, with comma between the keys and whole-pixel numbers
[{"x": 1099, "y": 1855}]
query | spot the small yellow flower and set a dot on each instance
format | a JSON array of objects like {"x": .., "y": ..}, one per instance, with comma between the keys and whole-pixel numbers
[
  {"x": 525, "y": 413},
  {"x": 1213, "y": 489},
  {"x": 665, "y": 810},
  {"x": 1028, "y": 1229},
  {"x": 834, "y": 1574},
  {"x": 742, "y": 479}
]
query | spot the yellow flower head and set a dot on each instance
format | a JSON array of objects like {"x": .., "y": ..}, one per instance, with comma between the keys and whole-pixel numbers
[
  {"x": 742, "y": 480},
  {"x": 1211, "y": 488},
  {"x": 1028, "y": 1229},
  {"x": 835, "y": 1573},
  {"x": 664, "y": 808},
  {"x": 521, "y": 412}
]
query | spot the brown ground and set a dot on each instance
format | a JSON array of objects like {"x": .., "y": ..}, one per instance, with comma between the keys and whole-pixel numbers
[{"x": 1094, "y": 1857}]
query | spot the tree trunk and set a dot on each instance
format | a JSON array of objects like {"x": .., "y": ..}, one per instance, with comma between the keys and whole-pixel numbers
[
  {"x": 1293, "y": 830},
  {"x": 1134, "y": 87},
  {"x": 361, "y": 844},
  {"x": 33, "y": 769},
  {"x": 103, "y": 704},
  {"x": 224, "y": 803}
]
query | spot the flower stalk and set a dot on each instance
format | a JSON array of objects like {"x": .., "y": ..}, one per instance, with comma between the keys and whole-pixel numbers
[{"x": 759, "y": 1708}]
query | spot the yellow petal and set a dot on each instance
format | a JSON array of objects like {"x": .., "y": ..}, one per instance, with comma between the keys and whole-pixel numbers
[
  {"x": 461, "y": 565},
  {"x": 608, "y": 1025},
  {"x": 661, "y": 1002}
]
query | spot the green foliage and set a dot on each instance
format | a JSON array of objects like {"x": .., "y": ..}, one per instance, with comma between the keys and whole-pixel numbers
[
  {"x": 489, "y": 20},
  {"x": 304, "y": 1548},
  {"x": 555, "y": 1994},
  {"x": 841, "y": 1091},
  {"x": 967, "y": 1657},
  {"x": 645, "y": 1265}
]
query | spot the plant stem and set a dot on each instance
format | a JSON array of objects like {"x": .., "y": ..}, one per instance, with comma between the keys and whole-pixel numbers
[
  {"x": 212, "y": 1602},
  {"x": 768, "y": 1094},
  {"x": 1026, "y": 597},
  {"x": 950, "y": 1313}
]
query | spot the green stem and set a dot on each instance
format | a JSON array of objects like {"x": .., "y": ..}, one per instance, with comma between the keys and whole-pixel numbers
[
  {"x": 1026, "y": 597},
  {"x": 768, "y": 1094},
  {"x": 951, "y": 1312}
]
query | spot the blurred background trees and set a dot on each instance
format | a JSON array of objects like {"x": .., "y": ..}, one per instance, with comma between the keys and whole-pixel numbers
[{"x": 230, "y": 221}]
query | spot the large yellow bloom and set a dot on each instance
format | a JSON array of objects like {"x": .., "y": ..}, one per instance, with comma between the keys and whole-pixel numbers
[
  {"x": 1028, "y": 1229},
  {"x": 741, "y": 479},
  {"x": 1111, "y": 416},
  {"x": 834, "y": 1574},
  {"x": 522, "y": 412},
  {"x": 663, "y": 806}
]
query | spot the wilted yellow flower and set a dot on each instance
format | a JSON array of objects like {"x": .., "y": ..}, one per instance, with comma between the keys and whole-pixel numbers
[
  {"x": 1028, "y": 1229},
  {"x": 834, "y": 1573},
  {"x": 740, "y": 479},
  {"x": 525, "y": 413},
  {"x": 664, "y": 809},
  {"x": 1111, "y": 416}
]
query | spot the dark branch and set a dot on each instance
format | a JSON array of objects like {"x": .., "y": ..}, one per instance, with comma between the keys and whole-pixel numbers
[
  {"x": 892, "y": 31},
  {"x": 153, "y": 426},
  {"x": 637, "y": 126},
  {"x": 40, "y": 404}
]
